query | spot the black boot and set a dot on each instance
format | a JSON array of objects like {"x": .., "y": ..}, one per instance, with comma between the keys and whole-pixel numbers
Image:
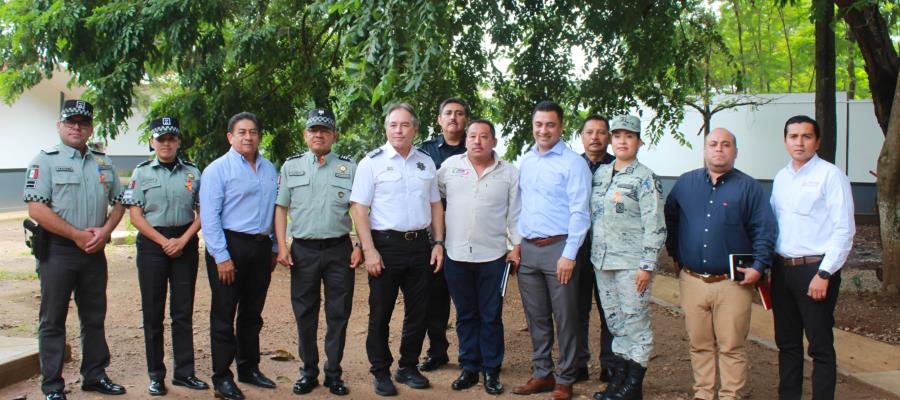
[
  {"x": 617, "y": 370},
  {"x": 632, "y": 388}
]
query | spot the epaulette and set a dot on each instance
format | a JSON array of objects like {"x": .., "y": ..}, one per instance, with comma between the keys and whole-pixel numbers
[
  {"x": 423, "y": 151},
  {"x": 143, "y": 163},
  {"x": 51, "y": 150},
  {"x": 345, "y": 158},
  {"x": 186, "y": 162},
  {"x": 97, "y": 152},
  {"x": 298, "y": 155},
  {"x": 375, "y": 152}
]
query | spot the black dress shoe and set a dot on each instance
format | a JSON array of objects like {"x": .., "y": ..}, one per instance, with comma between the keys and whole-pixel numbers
[
  {"x": 190, "y": 382},
  {"x": 581, "y": 374},
  {"x": 433, "y": 363},
  {"x": 305, "y": 385},
  {"x": 56, "y": 395},
  {"x": 227, "y": 390},
  {"x": 157, "y": 387},
  {"x": 336, "y": 386},
  {"x": 105, "y": 386},
  {"x": 256, "y": 378},
  {"x": 466, "y": 380},
  {"x": 411, "y": 377},
  {"x": 492, "y": 383},
  {"x": 385, "y": 387}
]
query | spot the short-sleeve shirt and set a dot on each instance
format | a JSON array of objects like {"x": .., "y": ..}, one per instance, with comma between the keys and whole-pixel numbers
[
  {"x": 317, "y": 195},
  {"x": 398, "y": 191},
  {"x": 628, "y": 224},
  {"x": 168, "y": 198},
  {"x": 79, "y": 188}
]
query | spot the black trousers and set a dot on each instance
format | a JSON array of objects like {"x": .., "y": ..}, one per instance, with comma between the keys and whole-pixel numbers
[
  {"x": 317, "y": 263},
  {"x": 237, "y": 339},
  {"x": 587, "y": 290},
  {"x": 406, "y": 265},
  {"x": 158, "y": 274},
  {"x": 69, "y": 270},
  {"x": 795, "y": 313},
  {"x": 437, "y": 315}
]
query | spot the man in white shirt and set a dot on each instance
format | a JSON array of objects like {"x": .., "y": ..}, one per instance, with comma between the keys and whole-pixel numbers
[
  {"x": 398, "y": 183},
  {"x": 813, "y": 204},
  {"x": 482, "y": 195}
]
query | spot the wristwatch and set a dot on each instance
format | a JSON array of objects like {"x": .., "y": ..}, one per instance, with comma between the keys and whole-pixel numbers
[
  {"x": 437, "y": 242},
  {"x": 823, "y": 274}
]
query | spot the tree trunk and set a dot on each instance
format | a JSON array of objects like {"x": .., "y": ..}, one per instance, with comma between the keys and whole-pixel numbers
[
  {"x": 851, "y": 66},
  {"x": 740, "y": 33},
  {"x": 787, "y": 46},
  {"x": 889, "y": 198},
  {"x": 826, "y": 107},
  {"x": 882, "y": 63}
]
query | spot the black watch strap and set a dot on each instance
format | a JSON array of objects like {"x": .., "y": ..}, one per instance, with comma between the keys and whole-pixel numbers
[{"x": 823, "y": 274}]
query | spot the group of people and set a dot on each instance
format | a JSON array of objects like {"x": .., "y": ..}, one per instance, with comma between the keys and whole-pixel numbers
[{"x": 445, "y": 220}]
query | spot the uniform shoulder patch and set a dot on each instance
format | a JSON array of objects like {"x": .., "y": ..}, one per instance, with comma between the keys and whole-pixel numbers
[
  {"x": 375, "y": 152},
  {"x": 298, "y": 155},
  {"x": 143, "y": 163},
  {"x": 97, "y": 152},
  {"x": 423, "y": 151},
  {"x": 345, "y": 158},
  {"x": 52, "y": 149},
  {"x": 187, "y": 162}
]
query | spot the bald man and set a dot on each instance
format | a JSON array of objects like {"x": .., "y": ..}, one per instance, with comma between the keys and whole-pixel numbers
[{"x": 713, "y": 212}]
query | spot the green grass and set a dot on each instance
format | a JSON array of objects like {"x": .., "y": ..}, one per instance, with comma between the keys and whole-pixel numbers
[{"x": 17, "y": 276}]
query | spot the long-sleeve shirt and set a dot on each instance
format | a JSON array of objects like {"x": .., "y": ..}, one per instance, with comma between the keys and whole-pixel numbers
[
  {"x": 554, "y": 189},
  {"x": 480, "y": 210},
  {"x": 814, "y": 209},
  {"x": 628, "y": 225},
  {"x": 236, "y": 198},
  {"x": 706, "y": 222}
]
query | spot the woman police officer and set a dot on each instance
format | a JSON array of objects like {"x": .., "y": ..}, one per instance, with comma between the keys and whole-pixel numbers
[{"x": 163, "y": 198}]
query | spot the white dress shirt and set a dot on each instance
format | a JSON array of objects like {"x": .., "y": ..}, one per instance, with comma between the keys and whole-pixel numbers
[
  {"x": 814, "y": 209},
  {"x": 398, "y": 191},
  {"x": 482, "y": 212}
]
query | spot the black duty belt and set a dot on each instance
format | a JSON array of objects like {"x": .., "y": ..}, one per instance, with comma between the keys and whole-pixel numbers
[
  {"x": 322, "y": 243},
  {"x": 420, "y": 234},
  {"x": 256, "y": 237},
  {"x": 59, "y": 240},
  {"x": 172, "y": 231}
]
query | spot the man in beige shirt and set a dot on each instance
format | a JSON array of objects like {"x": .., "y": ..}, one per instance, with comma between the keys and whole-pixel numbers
[{"x": 482, "y": 212}]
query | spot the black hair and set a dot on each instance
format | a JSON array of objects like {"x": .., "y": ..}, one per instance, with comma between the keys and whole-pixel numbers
[
  {"x": 594, "y": 117},
  {"x": 547, "y": 106},
  {"x": 242, "y": 116},
  {"x": 455, "y": 100},
  {"x": 802, "y": 119},
  {"x": 486, "y": 122}
]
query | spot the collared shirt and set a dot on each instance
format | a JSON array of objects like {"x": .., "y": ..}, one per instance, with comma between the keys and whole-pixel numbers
[
  {"x": 481, "y": 211},
  {"x": 398, "y": 191},
  {"x": 317, "y": 195},
  {"x": 440, "y": 150},
  {"x": 554, "y": 188},
  {"x": 236, "y": 198},
  {"x": 814, "y": 209},
  {"x": 168, "y": 198},
  {"x": 706, "y": 222},
  {"x": 79, "y": 188},
  {"x": 607, "y": 158},
  {"x": 627, "y": 214}
]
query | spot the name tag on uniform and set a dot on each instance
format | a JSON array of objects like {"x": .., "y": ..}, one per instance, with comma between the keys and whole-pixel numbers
[
  {"x": 460, "y": 172},
  {"x": 64, "y": 169},
  {"x": 296, "y": 173}
]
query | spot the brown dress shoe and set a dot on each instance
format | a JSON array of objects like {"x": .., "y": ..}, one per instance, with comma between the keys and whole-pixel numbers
[
  {"x": 561, "y": 392},
  {"x": 535, "y": 385}
]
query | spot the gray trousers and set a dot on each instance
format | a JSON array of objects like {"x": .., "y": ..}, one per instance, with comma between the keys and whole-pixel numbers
[
  {"x": 319, "y": 263},
  {"x": 547, "y": 301}
]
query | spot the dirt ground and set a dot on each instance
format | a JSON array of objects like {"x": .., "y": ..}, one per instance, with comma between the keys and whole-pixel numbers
[{"x": 669, "y": 376}]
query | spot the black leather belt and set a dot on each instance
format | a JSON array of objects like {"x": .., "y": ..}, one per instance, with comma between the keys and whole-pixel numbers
[
  {"x": 420, "y": 234},
  {"x": 798, "y": 261},
  {"x": 59, "y": 240},
  {"x": 256, "y": 237},
  {"x": 322, "y": 243},
  {"x": 172, "y": 231}
]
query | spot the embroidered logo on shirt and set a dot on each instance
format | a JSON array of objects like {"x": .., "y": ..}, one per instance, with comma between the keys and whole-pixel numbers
[
  {"x": 420, "y": 165},
  {"x": 190, "y": 182},
  {"x": 340, "y": 195}
]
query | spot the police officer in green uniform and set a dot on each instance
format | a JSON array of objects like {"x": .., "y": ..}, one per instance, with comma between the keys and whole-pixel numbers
[
  {"x": 69, "y": 189},
  {"x": 162, "y": 200},
  {"x": 314, "y": 189}
]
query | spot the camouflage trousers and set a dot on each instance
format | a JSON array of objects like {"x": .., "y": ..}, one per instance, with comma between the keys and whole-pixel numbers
[{"x": 627, "y": 313}]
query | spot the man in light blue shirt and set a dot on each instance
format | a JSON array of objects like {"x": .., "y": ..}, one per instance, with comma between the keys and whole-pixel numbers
[
  {"x": 237, "y": 205},
  {"x": 555, "y": 185}
]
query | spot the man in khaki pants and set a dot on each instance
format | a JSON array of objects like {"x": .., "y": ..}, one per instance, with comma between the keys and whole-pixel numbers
[{"x": 713, "y": 212}]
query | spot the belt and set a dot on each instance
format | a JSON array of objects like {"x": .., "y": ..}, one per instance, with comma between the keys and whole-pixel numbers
[
  {"x": 322, "y": 243},
  {"x": 798, "y": 261},
  {"x": 545, "y": 241},
  {"x": 708, "y": 278},
  {"x": 57, "y": 239},
  {"x": 256, "y": 237},
  {"x": 172, "y": 231},
  {"x": 409, "y": 235}
]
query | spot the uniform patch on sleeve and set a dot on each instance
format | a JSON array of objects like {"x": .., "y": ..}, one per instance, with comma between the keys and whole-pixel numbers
[
  {"x": 30, "y": 184},
  {"x": 34, "y": 172}
]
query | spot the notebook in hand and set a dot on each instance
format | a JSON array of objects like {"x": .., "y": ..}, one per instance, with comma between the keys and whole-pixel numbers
[{"x": 762, "y": 285}]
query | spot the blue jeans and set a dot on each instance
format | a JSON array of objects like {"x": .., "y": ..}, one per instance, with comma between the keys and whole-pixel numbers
[{"x": 475, "y": 289}]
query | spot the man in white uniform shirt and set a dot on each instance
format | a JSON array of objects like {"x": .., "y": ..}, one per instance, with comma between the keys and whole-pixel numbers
[
  {"x": 398, "y": 183},
  {"x": 812, "y": 202},
  {"x": 482, "y": 195}
]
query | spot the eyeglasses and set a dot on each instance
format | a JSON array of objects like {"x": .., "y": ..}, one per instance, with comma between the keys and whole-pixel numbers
[{"x": 85, "y": 123}]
